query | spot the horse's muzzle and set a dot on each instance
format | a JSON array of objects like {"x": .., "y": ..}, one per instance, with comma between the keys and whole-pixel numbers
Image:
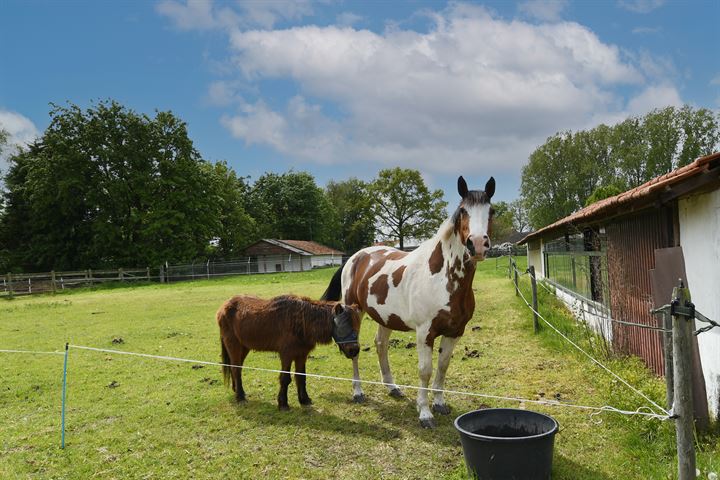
[{"x": 351, "y": 350}]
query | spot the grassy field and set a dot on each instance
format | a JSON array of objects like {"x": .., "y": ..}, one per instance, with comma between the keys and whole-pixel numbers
[{"x": 131, "y": 417}]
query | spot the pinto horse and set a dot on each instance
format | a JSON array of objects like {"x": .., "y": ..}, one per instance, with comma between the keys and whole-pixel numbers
[
  {"x": 428, "y": 290},
  {"x": 286, "y": 324}
]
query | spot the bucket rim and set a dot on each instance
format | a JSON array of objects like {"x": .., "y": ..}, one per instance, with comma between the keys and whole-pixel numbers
[{"x": 476, "y": 436}]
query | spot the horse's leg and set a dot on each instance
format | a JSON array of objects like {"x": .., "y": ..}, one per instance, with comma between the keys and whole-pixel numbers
[
  {"x": 300, "y": 379},
  {"x": 424, "y": 352},
  {"x": 358, "y": 395},
  {"x": 382, "y": 341},
  {"x": 285, "y": 365},
  {"x": 447, "y": 345},
  {"x": 237, "y": 373}
]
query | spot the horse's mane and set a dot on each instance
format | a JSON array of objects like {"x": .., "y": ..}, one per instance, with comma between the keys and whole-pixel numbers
[{"x": 312, "y": 319}]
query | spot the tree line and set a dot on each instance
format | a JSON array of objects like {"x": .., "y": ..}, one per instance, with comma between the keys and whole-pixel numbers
[
  {"x": 106, "y": 186},
  {"x": 573, "y": 169}
]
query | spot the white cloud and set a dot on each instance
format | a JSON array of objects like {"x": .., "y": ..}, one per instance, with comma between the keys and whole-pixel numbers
[
  {"x": 21, "y": 131},
  {"x": 544, "y": 10},
  {"x": 203, "y": 15},
  {"x": 641, "y": 6},
  {"x": 652, "y": 97},
  {"x": 715, "y": 80},
  {"x": 473, "y": 90}
]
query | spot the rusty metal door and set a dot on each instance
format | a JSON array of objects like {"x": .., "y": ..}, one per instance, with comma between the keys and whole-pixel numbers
[{"x": 631, "y": 255}]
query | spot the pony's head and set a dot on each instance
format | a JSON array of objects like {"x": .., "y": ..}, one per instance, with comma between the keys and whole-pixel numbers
[
  {"x": 473, "y": 218},
  {"x": 346, "y": 327}
]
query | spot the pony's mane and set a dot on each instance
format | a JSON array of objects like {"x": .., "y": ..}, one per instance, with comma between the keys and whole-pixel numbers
[{"x": 312, "y": 318}]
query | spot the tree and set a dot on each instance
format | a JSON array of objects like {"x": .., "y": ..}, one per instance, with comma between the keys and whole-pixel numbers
[
  {"x": 403, "y": 205},
  {"x": 105, "y": 187},
  {"x": 355, "y": 217},
  {"x": 291, "y": 206},
  {"x": 502, "y": 224},
  {"x": 518, "y": 213},
  {"x": 237, "y": 228},
  {"x": 571, "y": 169}
]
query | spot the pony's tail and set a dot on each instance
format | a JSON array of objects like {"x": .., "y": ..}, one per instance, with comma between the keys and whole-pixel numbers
[
  {"x": 227, "y": 373},
  {"x": 334, "y": 290}
]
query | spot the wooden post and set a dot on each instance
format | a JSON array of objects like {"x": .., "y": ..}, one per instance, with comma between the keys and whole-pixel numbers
[
  {"x": 120, "y": 274},
  {"x": 90, "y": 276},
  {"x": 9, "y": 283},
  {"x": 147, "y": 273},
  {"x": 29, "y": 284},
  {"x": 533, "y": 284},
  {"x": 517, "y": 289},
  {"x": 207, "y": 266},
  {"x": 52, "y": 281},
  {"x": 509, "y": 267},
  {"x": 683, "y": 403},
  {"x": 668, "y": 352},
  {"x": 162, "y": 274}
]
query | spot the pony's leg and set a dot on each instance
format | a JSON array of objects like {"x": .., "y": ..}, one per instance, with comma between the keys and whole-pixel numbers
[
  {"x": 237, "y": 374},
  {"x": 382, "y": 342},
  {"x": 300, "y": 380},
  {"x": 424, "y": 352},
  {"x": 286, "y": 363},
  {"x": 358, "y": 395},
  {"x": 447, "y": 345}
]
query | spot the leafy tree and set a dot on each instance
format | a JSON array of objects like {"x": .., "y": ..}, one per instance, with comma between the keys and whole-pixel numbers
[
  {"x": 403, "y": 205},
  {"x": 502, "y": 225},
  {"x": 571, "y": 169},
  {"x": 237, "y": 228},
  {"x": 292, "y": 206},
  {"x": 518, "y": 213},
  {"x": 355, "y": 217},
  {"x": 603, "y": 192},
  {"x": 106, "y": 187}
]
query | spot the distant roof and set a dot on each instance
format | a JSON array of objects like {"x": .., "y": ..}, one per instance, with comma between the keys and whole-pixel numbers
[
  {"x": 707, "y": 169},
  {"x": 310, "y": 247}
]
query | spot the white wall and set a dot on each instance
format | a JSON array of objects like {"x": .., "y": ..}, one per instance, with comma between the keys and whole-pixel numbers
[
  {"x": 535, "y": 258},
  {"x": 700, "y": 240}
]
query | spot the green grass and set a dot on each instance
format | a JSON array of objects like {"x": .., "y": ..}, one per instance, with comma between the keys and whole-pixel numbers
[{"x": 170, "y": 420}]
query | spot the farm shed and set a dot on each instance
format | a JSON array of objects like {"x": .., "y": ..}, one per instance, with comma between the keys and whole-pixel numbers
[
  {"x": 273, "y": 255},
  {"x": 600, "y": 260}
]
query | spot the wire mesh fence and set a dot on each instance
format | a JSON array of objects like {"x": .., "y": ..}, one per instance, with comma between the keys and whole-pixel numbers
[{"x": 12, "y": 284}]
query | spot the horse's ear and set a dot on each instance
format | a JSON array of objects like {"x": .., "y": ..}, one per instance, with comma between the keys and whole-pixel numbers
[
  {"x": 338, "y": 310},
  {"x": 489, "y": 188},
  {"x": 462, "y": 187}
]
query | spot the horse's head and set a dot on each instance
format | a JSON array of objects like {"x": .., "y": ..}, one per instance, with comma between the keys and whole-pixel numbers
[
  {"x": 346, "y": 327},
  {"x": 473, "y": 218}
]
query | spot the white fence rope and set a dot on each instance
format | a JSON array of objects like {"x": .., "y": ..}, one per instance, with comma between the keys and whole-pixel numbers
[
  {"x": 595, "y": 409},
  {"x": 597, "y": 362},
  {"x": 32, "y": 351}
]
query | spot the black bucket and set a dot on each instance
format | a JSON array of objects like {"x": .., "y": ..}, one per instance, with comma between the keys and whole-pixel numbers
[{"x": 507, "y": 443}]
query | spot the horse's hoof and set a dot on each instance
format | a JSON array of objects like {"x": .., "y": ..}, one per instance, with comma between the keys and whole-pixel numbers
[
  {"x": 306, "y": 401},
  {"x": 427, "y": 423},
  {"x": 442, "y": 409},
  {"x": 283, "y": 408},
  {"x": 396, "y": 393},
  {"x": 240, "y": 399},
  {"x": 360, "y": 398}
]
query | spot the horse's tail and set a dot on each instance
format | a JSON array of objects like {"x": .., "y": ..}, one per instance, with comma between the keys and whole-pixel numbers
[
  {"x": 334, "y": 290},
  {"x": 227, "y": 373}
]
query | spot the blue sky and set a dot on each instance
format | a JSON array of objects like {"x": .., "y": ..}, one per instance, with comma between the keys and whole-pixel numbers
[{"x": 346, "y": 88}]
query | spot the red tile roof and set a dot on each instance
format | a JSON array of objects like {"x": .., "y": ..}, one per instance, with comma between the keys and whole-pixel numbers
[
  {"x": 311, "y": 247},
  {"x": 638, "y": 195}
]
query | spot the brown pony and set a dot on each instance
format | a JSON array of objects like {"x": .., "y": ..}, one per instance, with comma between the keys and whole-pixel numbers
[{"x": 289, "y": 325}]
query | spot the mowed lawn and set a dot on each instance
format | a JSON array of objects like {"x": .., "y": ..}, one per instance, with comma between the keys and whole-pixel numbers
[{"x": 130, "y": 417}]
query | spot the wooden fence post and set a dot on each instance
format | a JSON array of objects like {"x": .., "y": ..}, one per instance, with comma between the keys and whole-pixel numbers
[
  {"x": 121, "y": 276},
  {"x": 668, "y": 353},
  {"x": 682, "y": 365},
  {"x": 147, "y": 272},
  {"x": 9, "y": 283},
  {"x": 517, "y": 288},
  {"x": 509, "y": 267},
  {"x": 533, "y": 284},
  {"x": 52, "y": 281}
]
